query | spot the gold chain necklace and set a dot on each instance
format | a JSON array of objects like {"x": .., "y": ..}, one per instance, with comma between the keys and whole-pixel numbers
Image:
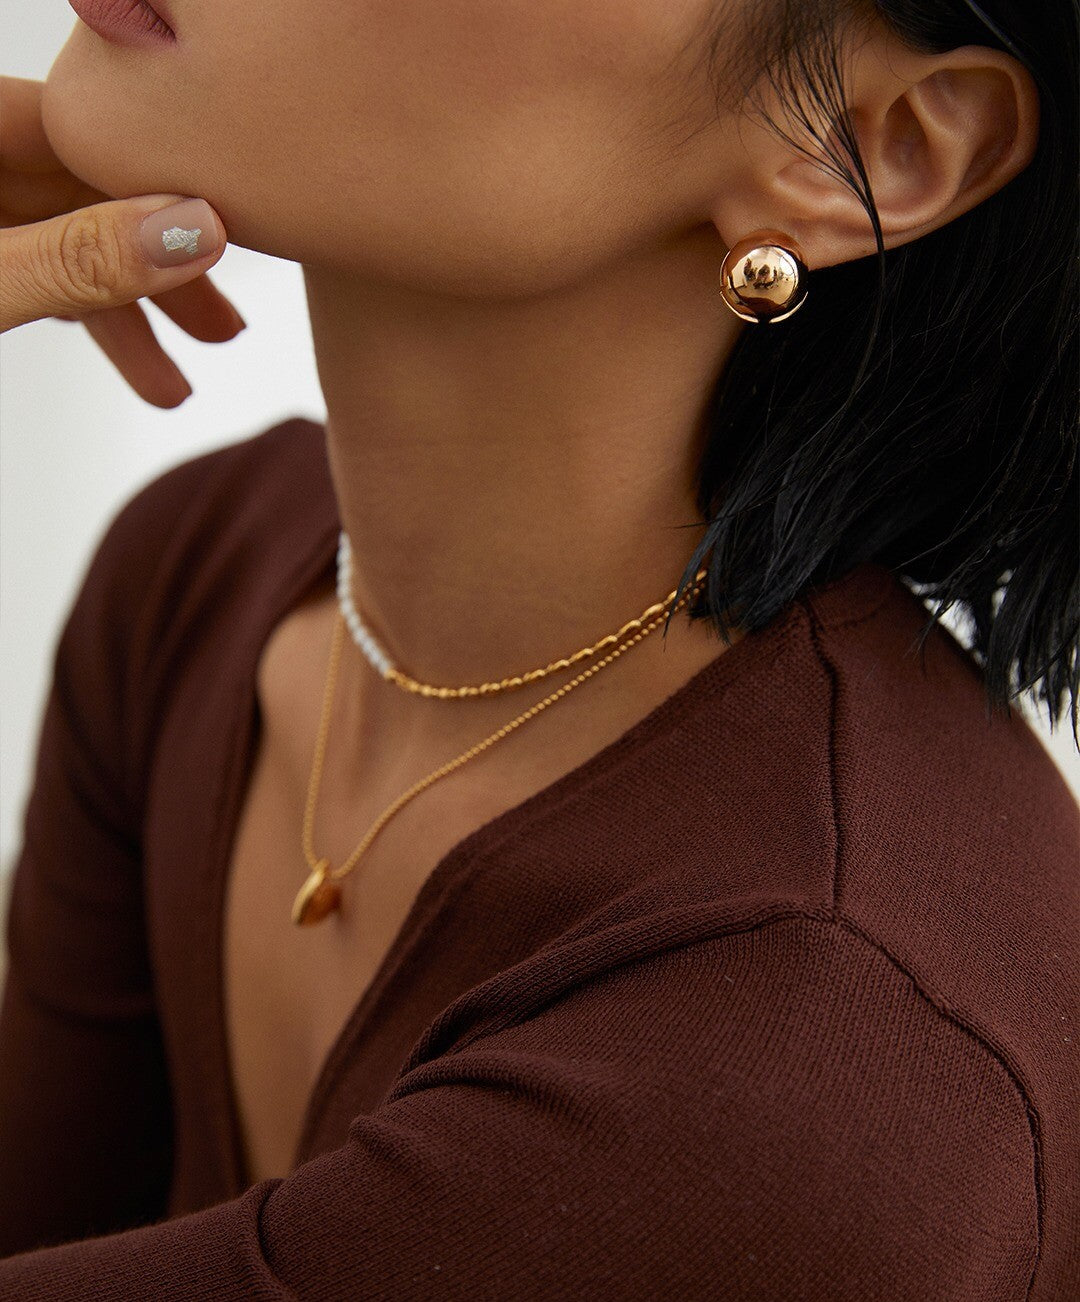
[{"x": 320, "y": 895}]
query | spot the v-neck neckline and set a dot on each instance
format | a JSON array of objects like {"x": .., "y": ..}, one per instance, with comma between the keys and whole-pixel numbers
[{"x": 454, "y": 864}]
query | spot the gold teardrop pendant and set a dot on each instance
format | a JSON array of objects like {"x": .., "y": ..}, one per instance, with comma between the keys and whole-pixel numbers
[{"x": 318, "y": 897}]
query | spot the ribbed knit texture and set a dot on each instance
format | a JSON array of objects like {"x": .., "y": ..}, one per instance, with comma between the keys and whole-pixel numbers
[{"x": 774, "y": 997}]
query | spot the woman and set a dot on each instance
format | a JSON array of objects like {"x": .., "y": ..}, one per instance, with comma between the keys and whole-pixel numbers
[{"x": 736, "y": 966}]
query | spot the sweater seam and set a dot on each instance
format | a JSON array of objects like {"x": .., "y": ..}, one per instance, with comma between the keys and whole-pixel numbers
[{"x": 830, "y": 672}]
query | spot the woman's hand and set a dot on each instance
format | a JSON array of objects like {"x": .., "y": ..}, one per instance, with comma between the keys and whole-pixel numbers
[{"x": 69, "y": 251}]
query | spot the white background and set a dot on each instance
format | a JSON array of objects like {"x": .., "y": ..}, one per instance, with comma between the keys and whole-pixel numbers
[{"x": 76, "y": 443}]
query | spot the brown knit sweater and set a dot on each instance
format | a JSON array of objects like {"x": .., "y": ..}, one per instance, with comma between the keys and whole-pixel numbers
[{"x": 774, "y": 997}]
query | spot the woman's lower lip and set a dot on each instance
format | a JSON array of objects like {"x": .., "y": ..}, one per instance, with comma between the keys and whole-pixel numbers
[{"x": 126, "y": 22}]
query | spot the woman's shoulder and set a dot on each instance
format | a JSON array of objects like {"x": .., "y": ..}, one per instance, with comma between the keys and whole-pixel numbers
[
  {"x": 265, "y": 482},
  {"x": 213, "y": 536},
  {"x": 955, "y": 853},
  {"x": 197, "y": 558}
]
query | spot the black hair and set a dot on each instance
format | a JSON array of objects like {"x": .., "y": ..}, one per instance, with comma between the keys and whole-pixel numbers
[{"x": 919, "y": 410}]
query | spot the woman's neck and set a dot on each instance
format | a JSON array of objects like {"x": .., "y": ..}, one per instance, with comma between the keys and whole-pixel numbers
[{"x": 516, "y": 478}]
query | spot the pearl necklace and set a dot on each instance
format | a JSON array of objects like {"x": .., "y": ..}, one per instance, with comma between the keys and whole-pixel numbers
[{"x": 376, "y": 655}]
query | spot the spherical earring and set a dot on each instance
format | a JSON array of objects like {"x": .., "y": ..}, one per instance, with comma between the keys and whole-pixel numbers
[{"x": 764, "y": 277}]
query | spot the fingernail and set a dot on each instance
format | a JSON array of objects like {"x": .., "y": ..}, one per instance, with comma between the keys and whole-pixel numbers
[
  {"x": 238, "y": 320},
  {"x": 183, "y": 232}
]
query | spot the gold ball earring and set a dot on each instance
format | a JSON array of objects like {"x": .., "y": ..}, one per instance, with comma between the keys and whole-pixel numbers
[{"x": 764, "y": 277}]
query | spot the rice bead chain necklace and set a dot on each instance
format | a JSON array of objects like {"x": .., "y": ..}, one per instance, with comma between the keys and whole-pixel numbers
[{"x": 320, "y": 895}]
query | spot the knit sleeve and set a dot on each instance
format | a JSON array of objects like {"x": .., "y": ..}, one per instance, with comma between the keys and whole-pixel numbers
[
  {"x": 771, "y": 1113},
  {"x": 85, "y": 1129}
]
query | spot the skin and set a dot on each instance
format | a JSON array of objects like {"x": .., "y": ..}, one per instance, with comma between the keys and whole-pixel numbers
[{"x": 511, "y": 219}]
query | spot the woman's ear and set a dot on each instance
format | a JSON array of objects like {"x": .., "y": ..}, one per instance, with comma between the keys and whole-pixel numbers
[{"x": 938, "y": 134}]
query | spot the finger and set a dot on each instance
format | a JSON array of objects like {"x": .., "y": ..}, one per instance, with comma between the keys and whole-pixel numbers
[
  {"x": 201, "y": 309},
  {"x": 104, "y": 256},
  {"x": 23, "y": 143},
  {"x": 32, "y": 197},
  {"x": 126, "y": 337}
]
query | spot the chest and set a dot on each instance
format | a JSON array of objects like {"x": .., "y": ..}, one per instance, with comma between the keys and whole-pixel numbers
[{"x": 289, "y": 990}]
